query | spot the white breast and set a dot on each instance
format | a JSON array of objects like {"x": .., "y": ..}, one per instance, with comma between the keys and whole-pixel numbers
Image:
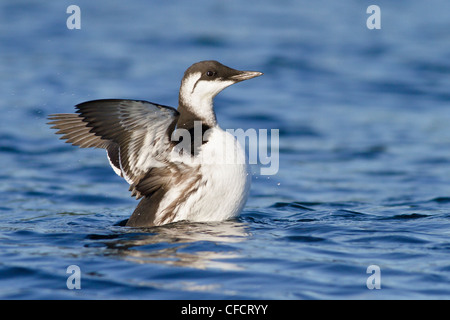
[{"x": 223, "y": 189}]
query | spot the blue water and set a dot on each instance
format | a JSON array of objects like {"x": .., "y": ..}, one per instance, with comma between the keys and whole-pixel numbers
[{"x": 364, "y": 172}]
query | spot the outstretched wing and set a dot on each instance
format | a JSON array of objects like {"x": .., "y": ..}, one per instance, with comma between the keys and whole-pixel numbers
[
  {"x": 136, "y": 135},
  {"x": 76, "y": 131}
]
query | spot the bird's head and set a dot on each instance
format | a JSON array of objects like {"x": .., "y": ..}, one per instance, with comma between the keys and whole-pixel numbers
[{"x": 203, "y": 81}]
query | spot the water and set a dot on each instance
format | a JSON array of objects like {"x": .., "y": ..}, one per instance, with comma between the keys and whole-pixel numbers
[{"x": 364, "y": 173}]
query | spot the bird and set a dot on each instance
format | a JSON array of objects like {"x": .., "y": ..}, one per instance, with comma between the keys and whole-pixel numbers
[{"x": 179, "y": 163}]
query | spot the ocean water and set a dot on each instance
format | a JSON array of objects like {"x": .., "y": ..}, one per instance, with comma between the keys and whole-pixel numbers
[{"x": 364, "y": 150}]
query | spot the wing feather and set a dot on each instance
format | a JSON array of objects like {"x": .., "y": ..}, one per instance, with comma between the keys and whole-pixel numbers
[
  {"x": 135, "y": 133},
  {"x": 75, "y": 131}
]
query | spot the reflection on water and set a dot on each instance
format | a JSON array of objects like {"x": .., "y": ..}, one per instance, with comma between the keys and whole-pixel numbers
[{"x": 180, "y": 244}]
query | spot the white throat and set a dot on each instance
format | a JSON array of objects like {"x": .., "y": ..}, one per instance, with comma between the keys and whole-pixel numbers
[{"x": 198, "y": 95}]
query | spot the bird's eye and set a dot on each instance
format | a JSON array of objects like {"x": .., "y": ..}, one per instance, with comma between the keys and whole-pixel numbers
[{"x": 210, "y": 73}]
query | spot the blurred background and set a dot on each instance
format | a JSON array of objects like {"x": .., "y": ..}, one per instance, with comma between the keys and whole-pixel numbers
[{"x": 364, "y": 174}]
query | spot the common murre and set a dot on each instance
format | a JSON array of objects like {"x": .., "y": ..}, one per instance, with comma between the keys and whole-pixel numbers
[{"x": 139, "y": 140}]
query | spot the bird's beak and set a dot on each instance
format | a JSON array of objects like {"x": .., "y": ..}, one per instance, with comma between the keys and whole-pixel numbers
[{"x": 245, "y": 75}]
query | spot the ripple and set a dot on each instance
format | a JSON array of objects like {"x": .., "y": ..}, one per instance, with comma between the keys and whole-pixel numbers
[
  {"x": 392, "y": 240},
  {"x": 307, "y": 239},
  {"x": 295, "y": 205},
  {"x": 411, "y": 216},
  {"x": 442, "y": 200}
]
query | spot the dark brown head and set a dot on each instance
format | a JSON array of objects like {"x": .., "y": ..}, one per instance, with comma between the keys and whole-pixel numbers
[{"x": 201, "y": 83}]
